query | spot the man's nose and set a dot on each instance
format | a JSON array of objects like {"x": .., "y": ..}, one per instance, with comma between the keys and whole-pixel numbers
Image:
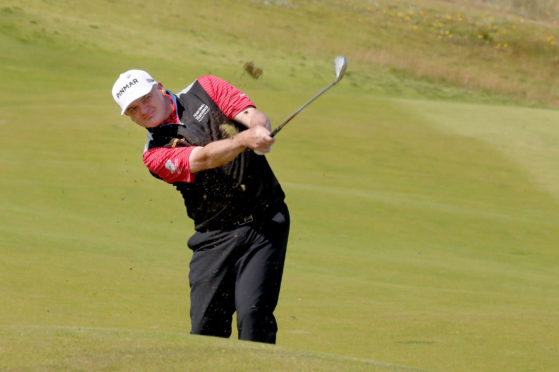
[{"x": 143, "y": 108}]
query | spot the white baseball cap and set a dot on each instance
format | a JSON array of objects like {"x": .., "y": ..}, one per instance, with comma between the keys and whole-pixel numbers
[{"x": 130, "y": 86}]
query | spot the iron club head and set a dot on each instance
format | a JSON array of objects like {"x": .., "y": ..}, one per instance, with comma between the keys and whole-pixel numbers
[{"x": 340, "y": 63}]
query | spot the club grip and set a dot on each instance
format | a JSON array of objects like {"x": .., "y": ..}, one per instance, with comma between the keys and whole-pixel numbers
[{"x": 275, "y": 131}]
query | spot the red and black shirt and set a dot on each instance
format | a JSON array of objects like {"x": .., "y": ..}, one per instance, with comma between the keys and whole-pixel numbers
[{"x": 214, "y": 198}]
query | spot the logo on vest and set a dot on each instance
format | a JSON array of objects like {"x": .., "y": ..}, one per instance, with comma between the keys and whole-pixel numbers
[{"x": 201, "y": 112}]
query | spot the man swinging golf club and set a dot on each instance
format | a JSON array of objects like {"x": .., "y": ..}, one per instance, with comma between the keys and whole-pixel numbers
[{"x": 199, "y": 140}]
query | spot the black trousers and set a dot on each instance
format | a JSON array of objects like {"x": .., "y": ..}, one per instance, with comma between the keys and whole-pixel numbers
[{"x": 239, "y": 270}]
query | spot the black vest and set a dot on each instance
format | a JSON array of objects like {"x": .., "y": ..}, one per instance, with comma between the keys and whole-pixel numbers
[{"x": 220, "y": 197}]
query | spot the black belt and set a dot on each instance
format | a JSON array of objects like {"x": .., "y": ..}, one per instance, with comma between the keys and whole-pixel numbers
[
  {"x": 265, "y": 210},
  {"x": 244, "y": 221},
  {"x": 255, "y": 217}
]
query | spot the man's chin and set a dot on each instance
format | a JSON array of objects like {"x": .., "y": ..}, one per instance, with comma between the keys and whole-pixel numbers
[{"x": 151, "y": 123}]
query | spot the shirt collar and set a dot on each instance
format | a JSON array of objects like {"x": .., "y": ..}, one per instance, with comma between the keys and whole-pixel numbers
[{"x": 174, "y": 117}]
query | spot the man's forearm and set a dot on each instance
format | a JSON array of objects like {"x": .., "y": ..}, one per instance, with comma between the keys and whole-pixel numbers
[
  {"x": 215, "y": 154},
  {"x": 218, "y": 153}
]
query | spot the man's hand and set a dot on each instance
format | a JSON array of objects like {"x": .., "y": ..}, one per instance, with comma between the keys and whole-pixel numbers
[
  {"x": 257, "y": 138},
  {"x": 218, "y": 153},
  {"x": 251, "y": 117}
]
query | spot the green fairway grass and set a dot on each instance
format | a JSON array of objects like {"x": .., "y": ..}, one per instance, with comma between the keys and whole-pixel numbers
[
  {"x": 108, "y": 349},
  {"x": 423, "y": 189}
]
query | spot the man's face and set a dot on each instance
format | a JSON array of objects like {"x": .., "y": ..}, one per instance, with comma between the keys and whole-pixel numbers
[{"x": 151, "y": 109}]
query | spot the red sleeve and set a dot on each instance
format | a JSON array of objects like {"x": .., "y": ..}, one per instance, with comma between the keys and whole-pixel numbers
[
  {"x": 171, "y": 164},
  {"x": 229, "y": 99}
]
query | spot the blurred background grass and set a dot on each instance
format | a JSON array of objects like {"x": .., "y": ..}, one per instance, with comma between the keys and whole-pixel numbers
[{"x": 423, "y": 188}]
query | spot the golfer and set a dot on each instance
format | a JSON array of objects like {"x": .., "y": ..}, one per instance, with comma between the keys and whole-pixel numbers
[{"x": 207, "y": 142}]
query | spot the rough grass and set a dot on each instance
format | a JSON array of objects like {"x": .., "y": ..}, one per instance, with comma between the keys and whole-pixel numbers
[
  {"x": 428, "y": 48},
  {"x": 541, "y": 9}
]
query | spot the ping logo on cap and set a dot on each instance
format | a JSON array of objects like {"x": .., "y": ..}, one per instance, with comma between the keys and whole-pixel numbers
[{"x": 128, "y": 85}]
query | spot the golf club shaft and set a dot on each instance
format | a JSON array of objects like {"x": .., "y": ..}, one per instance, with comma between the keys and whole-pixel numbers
[{"x": 278, "y": 128}]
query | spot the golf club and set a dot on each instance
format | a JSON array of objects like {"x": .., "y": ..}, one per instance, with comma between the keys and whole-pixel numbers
[{"x": 340, "y": 64}]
